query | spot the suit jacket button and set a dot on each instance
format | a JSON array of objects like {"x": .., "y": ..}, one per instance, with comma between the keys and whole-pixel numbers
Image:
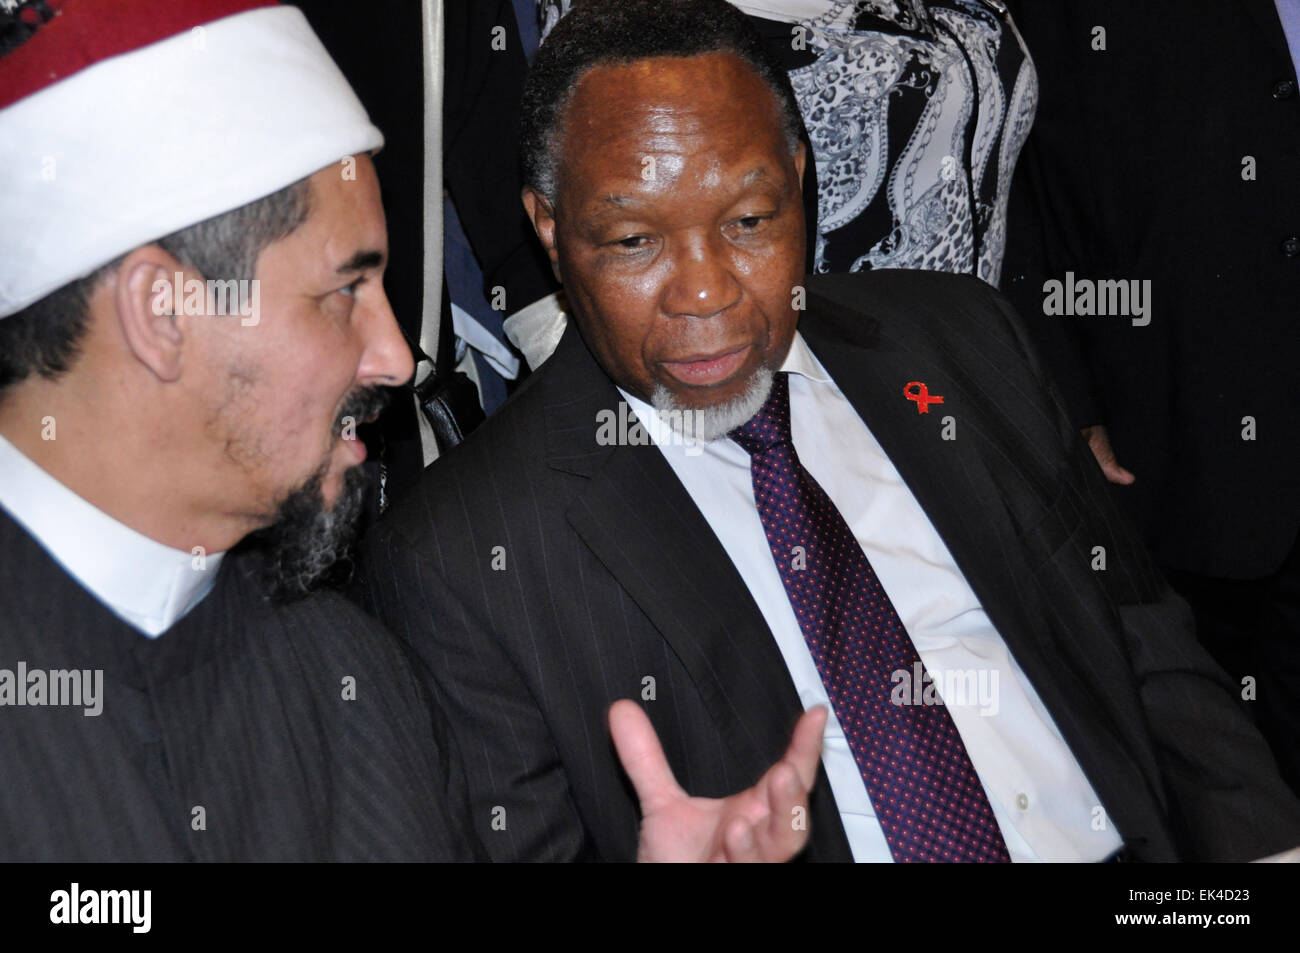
[
  {"x": 1283, "y": 89},
  {"x": 1291, "y": 246}
]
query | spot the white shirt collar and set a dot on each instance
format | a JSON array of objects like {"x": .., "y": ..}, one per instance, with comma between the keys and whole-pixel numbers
[
  {"x": 145, "y": 583},
  {"x": 798, "y": 360},
  {"x": 802, "y": 361}
]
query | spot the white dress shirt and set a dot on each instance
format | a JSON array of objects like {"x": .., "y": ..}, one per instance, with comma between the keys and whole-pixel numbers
[
  {"x": 146, "y": 584},
  {"x": 1045, "y": 806}
]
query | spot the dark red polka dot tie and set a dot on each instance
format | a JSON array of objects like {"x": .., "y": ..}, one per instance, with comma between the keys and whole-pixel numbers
[{"x": 926, "y": 794}]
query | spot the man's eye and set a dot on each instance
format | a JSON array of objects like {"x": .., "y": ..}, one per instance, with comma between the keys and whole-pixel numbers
[
  {"x": 751, "y": 222},
  {"x": 632, "y": 242},
  {"x": 351, "y": 289}
]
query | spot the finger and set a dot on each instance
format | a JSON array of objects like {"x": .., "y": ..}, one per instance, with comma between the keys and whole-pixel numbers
[
  {"x": 805, "y": 749},
  {"x": 739, "y": 843},
  {"x": 1099, "y": 442},
  {"x": 1104, "y": 455},
  {"x": 1117, "y": 474},
  {"x": 642, "y": 756},
  {"x": 784, "y": 832}
]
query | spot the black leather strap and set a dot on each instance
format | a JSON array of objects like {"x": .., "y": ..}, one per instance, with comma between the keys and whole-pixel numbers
[{"x": 447, "y": 397}]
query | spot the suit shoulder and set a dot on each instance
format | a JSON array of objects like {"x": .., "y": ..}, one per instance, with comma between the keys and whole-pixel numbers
[
  {"x": 923, "y": 311},
  {"x": 892, "y": 283},
  {"x": 323, "y": 628},
  {"x": 904, "y": 297},
  {"x": 496, "y": 461},
  {"x": 327, "y": 627},
  {"x": 509, "y": 429}
]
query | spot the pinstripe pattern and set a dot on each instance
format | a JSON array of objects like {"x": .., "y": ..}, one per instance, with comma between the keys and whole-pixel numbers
[
  {"x": 612, "y": 576},
  {"x": 238, "y": 709}
]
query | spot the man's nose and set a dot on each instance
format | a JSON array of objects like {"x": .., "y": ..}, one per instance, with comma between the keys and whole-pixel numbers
[
  {"x": 386, "y": 360},
  {"x": 701, "y": 283}
]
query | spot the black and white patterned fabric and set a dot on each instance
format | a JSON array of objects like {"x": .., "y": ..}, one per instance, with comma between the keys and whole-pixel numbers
[{"x": 916, "y": 111}]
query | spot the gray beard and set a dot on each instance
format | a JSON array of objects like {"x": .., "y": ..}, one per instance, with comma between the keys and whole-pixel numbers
[
  {"x": 710, "y": 423},
  {"x": 309, "y": 544}
]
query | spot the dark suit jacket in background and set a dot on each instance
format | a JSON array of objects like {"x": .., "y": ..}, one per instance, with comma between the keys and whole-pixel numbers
[
  {"x": 1133, "y": 170},
  {"x": 612, "y": 575}
]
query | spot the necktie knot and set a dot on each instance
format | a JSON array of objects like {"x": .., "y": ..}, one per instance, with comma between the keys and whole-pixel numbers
[{"x": 771, "y": 425}]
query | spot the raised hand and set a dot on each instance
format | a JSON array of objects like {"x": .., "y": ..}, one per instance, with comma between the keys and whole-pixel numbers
[{"x": 766, "y": 823}]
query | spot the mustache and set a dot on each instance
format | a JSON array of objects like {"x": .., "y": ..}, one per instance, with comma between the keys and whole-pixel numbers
[{"x": 362, "y": 405}]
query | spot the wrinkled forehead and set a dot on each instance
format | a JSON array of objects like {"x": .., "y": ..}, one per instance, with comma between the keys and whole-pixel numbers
[{"x": 661, "y": 107}]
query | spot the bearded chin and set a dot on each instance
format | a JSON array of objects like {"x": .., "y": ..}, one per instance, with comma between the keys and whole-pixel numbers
[
  {"x": 310, "y": 543},
  {"x": 307, "y": 543},
  {"x": 711, "y": 423}
]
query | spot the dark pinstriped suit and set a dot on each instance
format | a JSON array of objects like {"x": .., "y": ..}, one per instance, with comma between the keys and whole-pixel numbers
[
  {"x": 612, "y": 575},
  {"x": 238, "y": 708}
]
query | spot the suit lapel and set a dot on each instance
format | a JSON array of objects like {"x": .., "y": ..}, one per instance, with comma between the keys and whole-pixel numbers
[
  {"x": 945, "y": 476},
  {"x": 639, "y": 521},
  {"x": 1263, "y": 13},
  {"x": 641, "y": 524},
  {"x": 970, "y": 510}
]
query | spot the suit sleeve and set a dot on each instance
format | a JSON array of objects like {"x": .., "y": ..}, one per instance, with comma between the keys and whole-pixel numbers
[
  {"x": 399, "y": 791},
  {"x": 520, "y": 803},
  {"x": 1226, "y": 798}
]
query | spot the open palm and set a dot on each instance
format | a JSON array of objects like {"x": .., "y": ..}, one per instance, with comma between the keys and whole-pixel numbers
[{"x": 768, "y": 822}]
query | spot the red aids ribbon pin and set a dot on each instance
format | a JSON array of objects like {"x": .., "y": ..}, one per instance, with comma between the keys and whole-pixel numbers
[{"x": 921, "y": 395}]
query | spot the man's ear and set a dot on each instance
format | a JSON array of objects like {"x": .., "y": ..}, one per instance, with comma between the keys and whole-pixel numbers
[
  {"x": 800, "y": 159},
  {"x": 149, "y": 301},
  {"x": 542, "y": 215}
]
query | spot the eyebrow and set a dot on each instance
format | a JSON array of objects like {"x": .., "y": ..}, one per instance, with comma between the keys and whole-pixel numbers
[{"x": 362, "y": 261}]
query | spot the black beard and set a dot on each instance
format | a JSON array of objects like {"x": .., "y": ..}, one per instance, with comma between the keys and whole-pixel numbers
[{"x": 309, "y": 544}]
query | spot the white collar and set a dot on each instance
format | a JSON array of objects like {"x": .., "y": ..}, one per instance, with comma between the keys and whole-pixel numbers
[
  {"x": 802, "y": 361},
  {"x": 798, "y": 360},
  {"x": 147, "y": 584}
]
